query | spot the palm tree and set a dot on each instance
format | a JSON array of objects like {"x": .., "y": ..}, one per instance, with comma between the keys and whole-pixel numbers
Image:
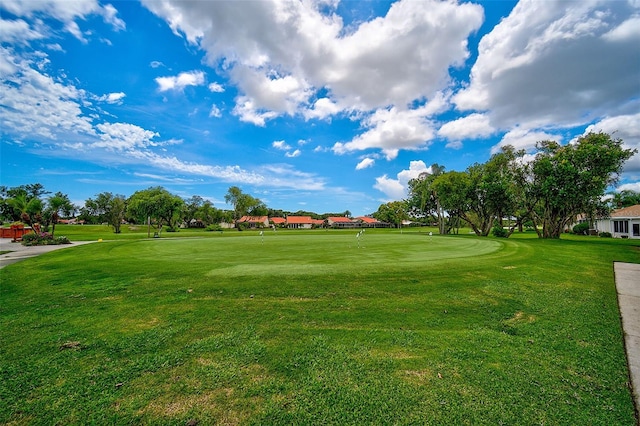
[
  {"x": 30, "y": 208},
  {"x": 58, "y": 203}
]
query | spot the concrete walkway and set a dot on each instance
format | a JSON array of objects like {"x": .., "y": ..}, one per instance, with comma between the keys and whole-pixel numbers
[
  {"x": 19, "y": 252},
  {"x": 628, "y": 287}
]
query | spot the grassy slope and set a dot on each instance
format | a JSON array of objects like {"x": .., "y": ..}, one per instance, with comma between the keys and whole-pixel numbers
[{"x": 307, "y": 328}]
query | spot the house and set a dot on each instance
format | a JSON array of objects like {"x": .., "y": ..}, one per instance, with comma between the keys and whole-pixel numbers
[
  {"x": 278, "y": 221},
  {"x": 255, "y": 221},
  {"x": 300, "y": 222},
  {"x": 623, "y": 223},
  {"x": 341, "y": 222},
  {"x": 319, "y": 223}
]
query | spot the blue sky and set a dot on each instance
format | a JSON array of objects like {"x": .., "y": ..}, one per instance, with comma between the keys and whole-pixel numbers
[{"x": 319, "y": 105}]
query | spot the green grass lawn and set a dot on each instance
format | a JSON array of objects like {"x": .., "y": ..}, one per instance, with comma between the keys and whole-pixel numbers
[{"x": 307, "y": 328}]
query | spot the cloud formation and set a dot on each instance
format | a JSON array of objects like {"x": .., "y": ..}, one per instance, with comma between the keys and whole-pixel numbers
[
  {"x": 286, "y": 52},
  {"x": 179, "y": 82}
]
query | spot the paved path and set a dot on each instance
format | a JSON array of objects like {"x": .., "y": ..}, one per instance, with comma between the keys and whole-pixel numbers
[
  {"x": 20, "y": 252},
  {"x": 628, "y": 287}
]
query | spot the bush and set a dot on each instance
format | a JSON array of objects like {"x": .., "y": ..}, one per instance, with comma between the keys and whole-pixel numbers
[
  {"x": 581, "y": 229},
  {"x": 605, "y": 234},
  {"x": 499, "y": 232},
  {"x": 171, "y": 229},
  {"x": 43, "y": 239},
  {"x": 213, "y": 228},
  {"x": 62, "y": 240},
  {"x": 30, "y": 239}
]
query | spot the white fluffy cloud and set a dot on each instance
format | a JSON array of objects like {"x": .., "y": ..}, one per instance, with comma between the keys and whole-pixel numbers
[
  {"x": 124, "y": 136},
  {"x": 285, "y": 52},
  {"x": 365, "y": 163},
  {"x": 556, "y": 63},
  {"x": 282, "y": 145},
  {"x": 113, "y": 98},
  {"x": 18, "y": 31},
  {"x": 391, "y": 130},
  {"x": 472, "y": 126},
  {"x": 396, "y": 189},
  {"x": 35, "y": 104},
  {"x": 180, "y": 81},
  {"x": 67, "y": 12},
  {"x": 216, "y": 87}
]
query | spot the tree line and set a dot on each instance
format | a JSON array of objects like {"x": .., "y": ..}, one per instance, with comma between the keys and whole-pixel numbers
[
  {"x": 154, "y": 206},
  {"x": 546, "y": 192}
]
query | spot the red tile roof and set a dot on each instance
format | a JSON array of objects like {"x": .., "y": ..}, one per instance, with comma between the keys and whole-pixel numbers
[
  {"x": 299, "y": 219},
  {"x": 339, "y": 219},
  {"x": 278, "y": 220},
  {"x": 253, "y": 219},
  {"x": 632, "y": 211},
  {"x": 367, "y": 219}
]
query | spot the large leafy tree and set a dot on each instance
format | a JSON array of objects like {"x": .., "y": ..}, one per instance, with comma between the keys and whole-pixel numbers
[
  {"x": 155, "y": 206},
  {"x": 490, "y": 193},
  {"x": 244, "y": 203},
  {"x": 393, "y": 212},
  {"x": 572, "y": 179},
  {"x": 109, "y": 208},
  {"x": 423, "y": 200},
  {"x": 453, "y": 191}
]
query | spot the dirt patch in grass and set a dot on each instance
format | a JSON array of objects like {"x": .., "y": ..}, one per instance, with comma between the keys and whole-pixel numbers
[{"x": 219, "y": 405}]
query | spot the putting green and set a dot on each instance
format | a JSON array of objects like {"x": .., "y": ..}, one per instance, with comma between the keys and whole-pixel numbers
[{"x": 301, "y": 254}]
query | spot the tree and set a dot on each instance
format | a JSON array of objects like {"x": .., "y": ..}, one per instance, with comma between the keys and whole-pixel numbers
[
  {"x": 392, "y": 212},
  {"x": 490, "y": 193},
  {"x": 21, "y": 200},
  {"x": 572, "y": 179},
  {"x": 452, "y": 191},
  {"x": 244, "y": 203},
  {"x": 57, "y": 204},
  {"x": 155, "y": 206},
  {"x": 29, "y": 209},
  {"x": 624, "y": 198},
  {"x": 108, "y": 208},
  {"x": 423, "y": 200}
]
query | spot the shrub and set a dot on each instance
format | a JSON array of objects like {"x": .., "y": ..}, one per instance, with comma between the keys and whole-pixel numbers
[
  {"x": 30, "y": 239},
  {"x": 605, "y": 234},
  {"x": 171, "y": 229},
  {"x": 213, "y": 228},
  {"x": 581, "y": 229},
  {"x": 499, "y": 232},
  {"x": 43, "y": 239}
]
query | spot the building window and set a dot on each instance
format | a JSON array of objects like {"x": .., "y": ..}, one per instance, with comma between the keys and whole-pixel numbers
[
  {"x": 636, "y": 229},
  {"x": 621, "y": 226}
]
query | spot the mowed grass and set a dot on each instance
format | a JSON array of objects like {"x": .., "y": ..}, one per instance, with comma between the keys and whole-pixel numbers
[{"x": 309, "y": 328}]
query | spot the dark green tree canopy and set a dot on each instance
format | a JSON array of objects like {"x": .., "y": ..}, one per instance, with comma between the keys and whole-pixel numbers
[{"x": 157, "y": 205}]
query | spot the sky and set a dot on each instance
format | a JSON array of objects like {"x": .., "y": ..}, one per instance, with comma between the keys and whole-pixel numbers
[{"x": 315, "y": 105}]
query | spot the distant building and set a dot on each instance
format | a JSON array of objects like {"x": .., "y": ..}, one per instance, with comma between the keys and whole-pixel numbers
[
  {"x": 342, "y": 222},
  {"x": 255, "y": 221},
  {"x": 299, "y": 222}
]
